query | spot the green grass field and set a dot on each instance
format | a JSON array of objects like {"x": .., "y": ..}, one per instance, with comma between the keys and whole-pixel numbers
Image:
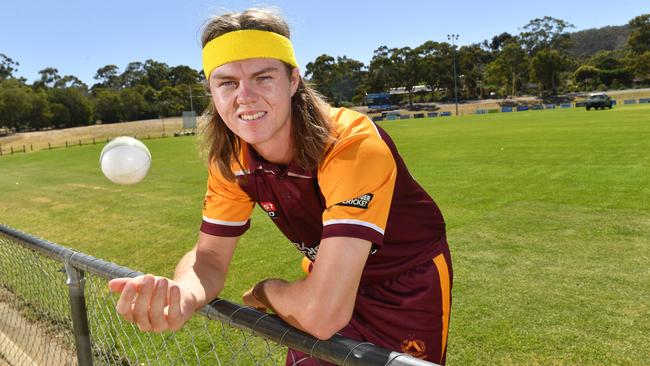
[{"x": 548, "y": 218}]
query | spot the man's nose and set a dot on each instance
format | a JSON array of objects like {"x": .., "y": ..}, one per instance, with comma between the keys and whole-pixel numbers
[{"x": 246, "y": 93}]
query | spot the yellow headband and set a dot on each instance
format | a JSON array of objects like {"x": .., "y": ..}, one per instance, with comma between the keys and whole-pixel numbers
[{"x": 245, "y": 44}]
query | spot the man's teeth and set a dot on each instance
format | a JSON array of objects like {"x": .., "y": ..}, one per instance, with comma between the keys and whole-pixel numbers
[{"x": 250, "y": 117}]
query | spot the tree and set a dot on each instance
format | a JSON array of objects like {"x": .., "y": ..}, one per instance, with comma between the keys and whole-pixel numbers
[
  {"x": 156, "y": 74},
  {"x": 639, "y": 40},
  {"x": 108, "y": 77},
  {"x": 134, "y": 104},
  {"x": 472, "y": 61},
  {"x": 108, "y": 106},
  {"x": 588, "y": 76},
  {"x": 133, "y": 75},
  {"x": 545, "y": 68},
  {"x": 7, "y": 67},
  {"x": 183, "y": 75},
  {"x": 172, "y": 101},
  {"x": 406, "y": 72},
  {"x": 200, "y": 99},
  {"x": 40, "y": 115},
  {"x": 381, "y": 71},
  {"x": 641, "y": 65},
  {"x": 435, "y": 65},
  {"x": 509, "y": 70},
  {"x": 70, "y": 81},
  {"x": 15, "y": 106},
  {"x": 60, "y": 115},
  {"x": 321, "y": 73},
  {"x": 349, "y": 78},
  {"x": 545, "y": 33},
  {"x": 337, "y": 79},
  {"x": 49, "y": 77},
  {"x": 75, "y": 101},
  {"x": 497, "y": 42}
]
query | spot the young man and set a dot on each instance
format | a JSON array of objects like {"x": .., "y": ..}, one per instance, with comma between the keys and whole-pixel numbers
[{"x": 333, "y": 183}]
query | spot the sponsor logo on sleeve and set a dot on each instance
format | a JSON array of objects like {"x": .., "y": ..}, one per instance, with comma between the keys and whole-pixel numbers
[
  {"x": 358, "y": 202},
  {"x": 270, "y": 209}
]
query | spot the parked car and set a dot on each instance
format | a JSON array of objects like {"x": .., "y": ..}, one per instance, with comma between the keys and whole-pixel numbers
[{"x": 598, "y": 100}]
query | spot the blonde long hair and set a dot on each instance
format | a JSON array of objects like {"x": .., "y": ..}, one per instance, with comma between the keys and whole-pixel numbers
[{"x": 309, "y": 111}]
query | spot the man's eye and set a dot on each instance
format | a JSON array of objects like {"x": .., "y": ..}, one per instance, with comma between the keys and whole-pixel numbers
[
  {"x": 227, "y": 83},
  {"x": 264, "y": 78}
]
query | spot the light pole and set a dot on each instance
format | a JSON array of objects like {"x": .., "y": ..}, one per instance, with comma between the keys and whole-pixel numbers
[
  {"x": 191, "y": 101},
  {"x": 453, "y": 38}
]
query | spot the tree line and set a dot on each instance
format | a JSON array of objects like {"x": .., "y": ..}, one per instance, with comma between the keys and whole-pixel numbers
[
  {"x": 535, "y": 61},
  {"x": 541, "y": 60},
  {"x": 143, "y": 90}
]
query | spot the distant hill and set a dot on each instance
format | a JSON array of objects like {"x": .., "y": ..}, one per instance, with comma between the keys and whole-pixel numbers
[{"x": 587, "y": 42}]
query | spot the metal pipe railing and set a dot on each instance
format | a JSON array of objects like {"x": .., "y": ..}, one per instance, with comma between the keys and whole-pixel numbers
[{"x": 338, "y": 349}]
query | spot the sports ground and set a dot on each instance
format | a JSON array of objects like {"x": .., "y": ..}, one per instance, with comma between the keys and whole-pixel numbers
[{"x": 548, "y": 218}]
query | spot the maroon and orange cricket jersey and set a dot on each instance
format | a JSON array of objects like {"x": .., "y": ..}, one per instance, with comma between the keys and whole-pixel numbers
[{"x": 361, "y": 189}]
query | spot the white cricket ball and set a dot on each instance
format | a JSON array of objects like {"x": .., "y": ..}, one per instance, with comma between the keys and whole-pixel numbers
[{"x": 125, "y": 160}]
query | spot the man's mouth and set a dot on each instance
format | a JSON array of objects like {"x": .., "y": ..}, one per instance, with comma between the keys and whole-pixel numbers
[{"x": 252, "y": 116}]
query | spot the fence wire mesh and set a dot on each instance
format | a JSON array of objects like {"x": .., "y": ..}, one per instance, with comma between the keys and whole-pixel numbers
[{"x": 36, "y": 321}]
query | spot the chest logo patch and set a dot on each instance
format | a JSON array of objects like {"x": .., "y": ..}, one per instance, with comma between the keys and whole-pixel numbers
[
  {"x": 270, "y": 209},
  {"x": 358, "y": 202}
]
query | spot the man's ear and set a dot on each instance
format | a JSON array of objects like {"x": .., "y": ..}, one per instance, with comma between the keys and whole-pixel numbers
[{"x": 294, "y": 80}]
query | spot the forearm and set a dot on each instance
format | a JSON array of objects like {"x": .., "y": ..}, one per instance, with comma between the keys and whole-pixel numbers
[
  {"x": 304, "y": 306},
  {"x": 201, "y": 275},
  {"x": 286, "y": 299}
]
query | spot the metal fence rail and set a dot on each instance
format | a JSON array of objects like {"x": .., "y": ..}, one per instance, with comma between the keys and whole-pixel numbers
[{"x": 55, "y": 309}]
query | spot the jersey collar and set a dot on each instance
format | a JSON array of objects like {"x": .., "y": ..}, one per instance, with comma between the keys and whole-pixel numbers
[{"x": 257, "y": 162}]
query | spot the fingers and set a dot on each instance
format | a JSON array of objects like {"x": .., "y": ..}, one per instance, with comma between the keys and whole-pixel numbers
[
  {"x": 249, "y": 299},
  {"x": 142, "y": 300},
  {"x": 174, "y": 320},
  {"x": 152, "y": 303},
  {"x": 157, "y": 306},
  {"x": 125, "y": 303},
  {"x": 116, "y": 285}
]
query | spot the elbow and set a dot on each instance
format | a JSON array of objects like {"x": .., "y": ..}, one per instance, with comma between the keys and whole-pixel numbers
[{"x": 324, "y": 323}]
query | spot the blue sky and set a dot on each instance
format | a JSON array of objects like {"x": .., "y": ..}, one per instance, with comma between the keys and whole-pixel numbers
[{"x": 79, "y": 36}]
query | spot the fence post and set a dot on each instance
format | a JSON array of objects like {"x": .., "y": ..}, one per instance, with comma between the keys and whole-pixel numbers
[
  {"x": 66, "y": 144},
  {"x": 12, "y": 149},
  {"x": 79, "y": 142},
  {"x": 49, "y": 147},
  {"x": 76, "y": 283}
]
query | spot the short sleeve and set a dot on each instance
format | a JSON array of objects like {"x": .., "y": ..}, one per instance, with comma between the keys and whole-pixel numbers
[
  {"x": 357, "y": 180},
  {"x": 226, "y": 208}
]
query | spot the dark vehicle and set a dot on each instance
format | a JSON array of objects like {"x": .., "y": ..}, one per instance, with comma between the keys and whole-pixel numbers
[{"x": 598, "y": 100}]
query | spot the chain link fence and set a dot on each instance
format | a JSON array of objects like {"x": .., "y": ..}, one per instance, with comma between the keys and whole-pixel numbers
[{"x": 56, "y": 309}]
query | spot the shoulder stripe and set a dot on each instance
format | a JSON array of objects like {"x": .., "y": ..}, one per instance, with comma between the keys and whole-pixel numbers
[
  {"x": 354, "y": 222},
  {"x": 225, "y": 223}
]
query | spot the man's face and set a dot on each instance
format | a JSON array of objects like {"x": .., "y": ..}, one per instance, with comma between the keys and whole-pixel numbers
[{"x": 253, "y": 97}]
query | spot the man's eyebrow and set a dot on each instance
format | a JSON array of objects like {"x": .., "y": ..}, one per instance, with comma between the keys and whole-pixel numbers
[
  {"x": 265, "y": 70},
  {"x": 257, "y": 73}
]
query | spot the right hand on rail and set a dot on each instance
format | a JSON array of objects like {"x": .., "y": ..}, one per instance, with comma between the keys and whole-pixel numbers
[{"x": 155, "y": 304}]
